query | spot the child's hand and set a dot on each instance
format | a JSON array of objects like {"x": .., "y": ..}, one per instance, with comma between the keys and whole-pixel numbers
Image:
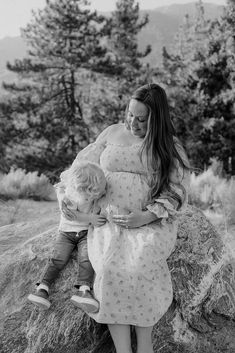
[
  {"x": 69, "y": 214},
  {"x": 67, "y": 202},
  {"x": 97, "y": 220}
]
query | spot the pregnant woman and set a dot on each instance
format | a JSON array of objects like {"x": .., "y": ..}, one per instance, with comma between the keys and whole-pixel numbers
[{"x": 147, "y": 175}]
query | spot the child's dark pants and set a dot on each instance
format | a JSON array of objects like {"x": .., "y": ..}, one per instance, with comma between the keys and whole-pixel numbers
[{"x": 66, "y": 242}]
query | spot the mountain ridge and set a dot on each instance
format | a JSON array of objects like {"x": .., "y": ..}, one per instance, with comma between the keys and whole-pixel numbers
[{"x": 163, "y": 24}]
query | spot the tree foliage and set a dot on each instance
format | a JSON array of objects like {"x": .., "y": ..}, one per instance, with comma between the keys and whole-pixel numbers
[
  {"x": 64, "y": 41},
  {"x": 128, "y": 71},
  {"x": 82, "y": 67},
  {"x": 199, "y": 76},
  {"x": 79, "y": 70}
]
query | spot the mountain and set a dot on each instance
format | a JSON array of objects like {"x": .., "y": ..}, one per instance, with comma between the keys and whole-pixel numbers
[
  {"x": 163, "y": 24},
  {"x": 179, "y": 10}
]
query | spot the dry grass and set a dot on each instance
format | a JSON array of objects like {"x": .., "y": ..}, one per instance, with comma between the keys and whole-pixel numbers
[
  {"x": 8, "y": 211},
  {"x": 214, "y": 195},
  {"x": 24, "y": 211}
]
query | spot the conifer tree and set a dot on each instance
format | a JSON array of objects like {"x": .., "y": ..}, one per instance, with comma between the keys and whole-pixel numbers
[
  {"x": 7, "y": 133},
  {"x": 201, "y": 87},
  {"x": 128, "y": 71},
  {"x": 64, "y": 42},
  {"x": 125, "y": 26},
  {"x": 213, "y": 90}
]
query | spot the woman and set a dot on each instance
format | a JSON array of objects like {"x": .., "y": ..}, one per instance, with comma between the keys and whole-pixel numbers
[{"x": 147, "y": 175}]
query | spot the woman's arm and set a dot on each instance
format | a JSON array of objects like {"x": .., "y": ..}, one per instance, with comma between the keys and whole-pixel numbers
[
  {"x": 135, "y": 219},
  {"x": 75, "y": 215},
  {"x": 174, "y": 199},
  {"x": 93, "y": 151}
]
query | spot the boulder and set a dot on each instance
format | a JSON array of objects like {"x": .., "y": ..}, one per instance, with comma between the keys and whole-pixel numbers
[{"x": 201, "y": 318}]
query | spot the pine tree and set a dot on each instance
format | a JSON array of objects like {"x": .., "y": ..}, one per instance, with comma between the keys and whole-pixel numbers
[
  {"x": 7, "y": 133},
  {"x": 178, "y": 72},
  {"x": 65, "y": 46},
  {"x": 128, "y": 71},
  {"x": 125, "y": 26},
  {"x": 214, "y": 93},
  {"x": 201, "y": 86}
]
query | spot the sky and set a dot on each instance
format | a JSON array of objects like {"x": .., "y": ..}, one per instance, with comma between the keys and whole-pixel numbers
[{"x": 17, "y": 13}]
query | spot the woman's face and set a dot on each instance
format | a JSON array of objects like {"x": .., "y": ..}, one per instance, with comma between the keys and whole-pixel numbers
[{"x": 137, "y": 118}]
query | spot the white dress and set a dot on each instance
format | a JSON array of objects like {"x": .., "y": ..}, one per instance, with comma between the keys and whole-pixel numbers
[{"x": 133, "y": 282}]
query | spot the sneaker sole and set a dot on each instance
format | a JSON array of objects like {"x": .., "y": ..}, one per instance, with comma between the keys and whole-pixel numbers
[
  {"x": 41, "y": 302},
  {"x": 85, "y": 304}
]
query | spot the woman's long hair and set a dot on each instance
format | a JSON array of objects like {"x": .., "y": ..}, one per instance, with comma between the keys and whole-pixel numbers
[{"x": 160, "y": 139}]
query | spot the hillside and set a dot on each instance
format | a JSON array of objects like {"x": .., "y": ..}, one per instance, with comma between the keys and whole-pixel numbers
[
  {"x": 164, "y": 23},
  {"x": 179, "y": 10},
  {"x": 160, "y": 31},
  {"x": 200, "y": 319}
]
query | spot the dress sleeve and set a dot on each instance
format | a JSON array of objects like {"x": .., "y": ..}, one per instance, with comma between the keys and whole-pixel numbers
[
  {"x": 173, "y": 200},
  {"x": 93, "y": 151}
]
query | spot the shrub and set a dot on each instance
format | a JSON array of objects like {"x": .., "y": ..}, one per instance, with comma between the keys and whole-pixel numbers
[
  {"x": 227, "y": 196},
  {"x": 212, "y": 192},
  {"x": 18, "y": 184}
]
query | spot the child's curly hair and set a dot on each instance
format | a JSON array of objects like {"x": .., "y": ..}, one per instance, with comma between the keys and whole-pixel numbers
[{"x": 85, "y": 177}]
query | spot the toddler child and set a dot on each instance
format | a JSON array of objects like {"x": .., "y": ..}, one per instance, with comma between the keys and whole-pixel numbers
[{"x": 80, "y": 188}]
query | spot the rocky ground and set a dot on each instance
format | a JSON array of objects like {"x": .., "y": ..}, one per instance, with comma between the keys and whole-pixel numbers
[{"x": 201, "y": 318}]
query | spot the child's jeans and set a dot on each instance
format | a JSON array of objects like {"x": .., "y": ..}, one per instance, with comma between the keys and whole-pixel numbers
[{"x": 66, "y": 242}]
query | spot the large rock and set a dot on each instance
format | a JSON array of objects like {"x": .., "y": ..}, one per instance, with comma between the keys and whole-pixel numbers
[{"x": 201, "y": 318}]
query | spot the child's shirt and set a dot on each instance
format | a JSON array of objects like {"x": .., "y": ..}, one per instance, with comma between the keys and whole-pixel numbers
[
  {"x": 74, "y": 226},
  {"x": 65, "y": 224}
]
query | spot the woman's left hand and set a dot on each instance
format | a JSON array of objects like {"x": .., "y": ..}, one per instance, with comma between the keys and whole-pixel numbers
[{"x": 135, "y": 219}]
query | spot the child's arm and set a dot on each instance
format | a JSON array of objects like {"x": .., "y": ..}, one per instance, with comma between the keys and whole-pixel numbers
[
  {"x": 76, "y": 215},
  {"x": 60, "y": 192},
  {"x": 63, "y": 202}
]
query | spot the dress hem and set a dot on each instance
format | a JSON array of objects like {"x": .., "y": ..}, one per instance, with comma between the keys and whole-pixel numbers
[{"x": 125, "y": 323}]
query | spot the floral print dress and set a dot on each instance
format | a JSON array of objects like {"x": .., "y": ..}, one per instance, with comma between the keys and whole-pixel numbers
[{"x": 132, "y": 282}]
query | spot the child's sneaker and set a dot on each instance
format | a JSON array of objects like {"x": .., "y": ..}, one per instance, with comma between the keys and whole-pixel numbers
[
  {"x": 41, "y": 299},
  {"x": 85, "y": 301}
]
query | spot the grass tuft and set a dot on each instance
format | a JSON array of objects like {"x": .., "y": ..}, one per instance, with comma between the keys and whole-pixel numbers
[
  {"x": 213, "y": 194},
  {"x": 18, "y": 184}
]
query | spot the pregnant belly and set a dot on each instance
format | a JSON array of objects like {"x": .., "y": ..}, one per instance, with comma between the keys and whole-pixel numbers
[{"x": 125, "y": 192}]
